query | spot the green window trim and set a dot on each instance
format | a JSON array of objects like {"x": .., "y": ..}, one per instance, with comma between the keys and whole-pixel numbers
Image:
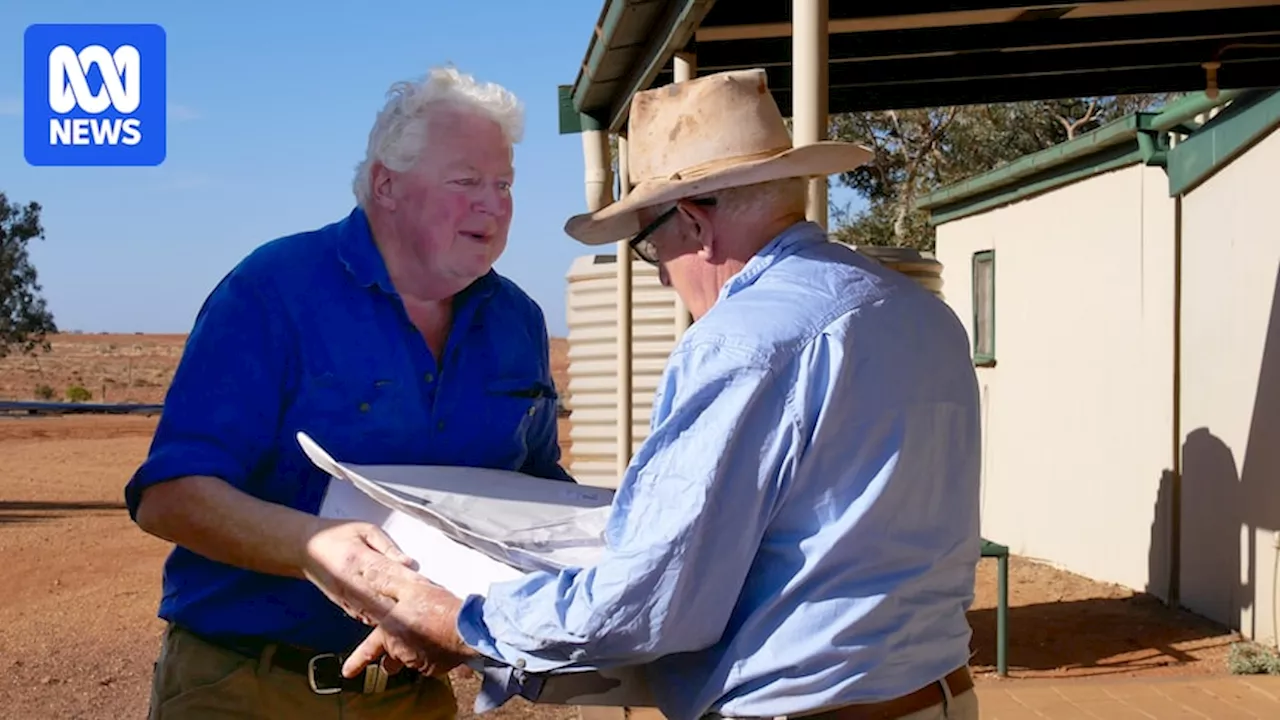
[{"x": 984, "y": 347}]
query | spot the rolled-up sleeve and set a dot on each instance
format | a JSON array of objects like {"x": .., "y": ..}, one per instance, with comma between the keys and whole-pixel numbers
[
  {"x": 684, "y": 530},
  {"x": 222, "y": 410}
]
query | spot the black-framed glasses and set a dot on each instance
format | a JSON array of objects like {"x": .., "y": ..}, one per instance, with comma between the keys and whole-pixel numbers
[{"x": 643, "y": 247}]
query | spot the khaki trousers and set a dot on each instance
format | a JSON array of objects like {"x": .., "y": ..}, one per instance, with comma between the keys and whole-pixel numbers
[{"x": 196, "y": 680}]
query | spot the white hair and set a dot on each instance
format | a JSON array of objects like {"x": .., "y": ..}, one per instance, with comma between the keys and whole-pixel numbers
[
  {"x": 749, "y": 202},
  {"x": 398, "y": 136}
]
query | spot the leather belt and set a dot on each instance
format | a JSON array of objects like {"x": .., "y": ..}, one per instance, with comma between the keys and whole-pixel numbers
[
  {"x": 323, "y": 670},
  {"x": 958, "y": 681}
]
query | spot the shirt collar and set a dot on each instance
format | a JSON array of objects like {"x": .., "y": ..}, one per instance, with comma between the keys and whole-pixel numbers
[
  {"x": 790, "y": 241},
  {"x": 360, "y": 254},
  {"x": 362, "y": 258}
]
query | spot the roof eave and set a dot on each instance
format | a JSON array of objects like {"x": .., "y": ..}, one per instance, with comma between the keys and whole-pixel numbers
[
  {"x": 670, "y": 30},
  {"x": 1114, "y": 133}
]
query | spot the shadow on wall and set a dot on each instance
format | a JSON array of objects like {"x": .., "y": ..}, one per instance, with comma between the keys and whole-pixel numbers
[{"x": 1224, "y": 504}]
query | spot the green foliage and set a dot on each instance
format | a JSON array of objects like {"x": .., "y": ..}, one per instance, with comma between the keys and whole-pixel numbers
[
  {"x": 1247, "y": 658},
  {"x": 920, "y": 150},
  {"x": 44, "y": 392},
  {"x": 24, "y": 318},
  {"x": 78, "y": 393}
]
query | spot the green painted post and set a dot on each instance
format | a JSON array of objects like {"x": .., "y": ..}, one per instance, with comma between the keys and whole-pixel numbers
[
  {"x": 1001, "y": 554},
  {"x": 1002, "y": 616}
]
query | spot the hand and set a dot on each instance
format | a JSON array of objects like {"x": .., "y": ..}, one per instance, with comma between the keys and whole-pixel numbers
[
  {"x": 420, "y": 631},
  {"x": 349, "y": 561}
]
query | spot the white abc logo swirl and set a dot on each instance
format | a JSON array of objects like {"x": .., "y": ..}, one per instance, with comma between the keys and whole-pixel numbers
[{"x": 121, "y": 80}]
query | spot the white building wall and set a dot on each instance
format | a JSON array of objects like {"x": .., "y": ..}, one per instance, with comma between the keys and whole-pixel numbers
[
  {"x": 1230, "y": 406},
  {"x": 1077, "y": 411}
]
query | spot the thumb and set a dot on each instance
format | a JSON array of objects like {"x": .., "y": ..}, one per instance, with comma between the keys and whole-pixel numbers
[{"x": 377, "y": 539}]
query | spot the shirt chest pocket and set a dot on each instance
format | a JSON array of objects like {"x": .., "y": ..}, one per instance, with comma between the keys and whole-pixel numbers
[
  {"x": 513, "y": 404},
  {"x": 355, "y": 410}
]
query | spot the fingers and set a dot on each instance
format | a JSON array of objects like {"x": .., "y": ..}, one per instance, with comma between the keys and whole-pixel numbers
[
  {"x": 363, "y": 597},
  {"x": 365, "y": 653},
  {"x": 390, "y": 580},
  {"x": 340, "y": 556},
  {"x": 399, "y": 642},
  {"x": 391, "y": 665},
  {"x": 374, "y": 584},
  {"x": 380, "y": 541}
]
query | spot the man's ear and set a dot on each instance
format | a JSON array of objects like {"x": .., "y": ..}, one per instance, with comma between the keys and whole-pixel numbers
[
  {"x": 381, "y": 181},
  {"x": 699, "y": 223}
]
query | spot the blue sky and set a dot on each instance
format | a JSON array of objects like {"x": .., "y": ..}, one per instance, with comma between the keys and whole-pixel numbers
[{"x": 270, "y": 105}]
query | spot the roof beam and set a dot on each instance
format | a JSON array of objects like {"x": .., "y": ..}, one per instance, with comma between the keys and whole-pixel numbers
[
  {"x": 779, "y": 11},
  {"x": 1051, "y": 35},
  {"x": 973, "y": 13},
  {"x": 1262, "y": 73},
  {"x": 855, "y": 25},
  {"x": 1000, "y": 65}
]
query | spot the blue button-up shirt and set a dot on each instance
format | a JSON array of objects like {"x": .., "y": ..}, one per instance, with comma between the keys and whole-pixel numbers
[
  {"x": 308, "y": 333},
  {"x": 800, "y": 529}
]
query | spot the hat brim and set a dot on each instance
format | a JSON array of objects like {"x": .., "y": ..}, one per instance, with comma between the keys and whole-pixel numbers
[{"x": 619, "y": 220}]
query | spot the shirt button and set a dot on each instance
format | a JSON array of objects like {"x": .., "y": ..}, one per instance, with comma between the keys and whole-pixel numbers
[
  {"x": 440, "y": 425},
  {"x": 533, "y": 409},
  {"x": 364, "y": 407},
  {"x": 429, "y": 377}
]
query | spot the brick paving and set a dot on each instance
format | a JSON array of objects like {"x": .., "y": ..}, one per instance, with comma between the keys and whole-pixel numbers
[{"x": 1218, "y": 698}]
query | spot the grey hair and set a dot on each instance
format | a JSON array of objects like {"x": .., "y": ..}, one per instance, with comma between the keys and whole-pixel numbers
[
  {"x": 750, "y": 201},
  {"x": 398, "y": 136}
]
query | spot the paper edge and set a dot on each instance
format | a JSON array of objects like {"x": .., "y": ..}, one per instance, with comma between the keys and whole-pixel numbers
[
  {"x": 327, "y": 463},
  {"x": 320, "y": 458}
]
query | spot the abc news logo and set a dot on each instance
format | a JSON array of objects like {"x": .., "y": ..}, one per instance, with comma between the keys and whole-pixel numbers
[
  {"x": 69, "y": 89},
  {"x": 94, "y": 95}
]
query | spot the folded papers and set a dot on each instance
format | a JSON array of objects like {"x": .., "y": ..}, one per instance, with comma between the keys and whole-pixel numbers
[{"x": 470, "y": 527}]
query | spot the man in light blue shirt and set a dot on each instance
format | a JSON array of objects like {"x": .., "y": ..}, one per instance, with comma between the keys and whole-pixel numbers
[{"x": 798, "y": 535}]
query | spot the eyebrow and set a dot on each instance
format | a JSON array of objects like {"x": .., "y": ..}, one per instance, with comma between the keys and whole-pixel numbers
[{"x": 469, "y": 168}]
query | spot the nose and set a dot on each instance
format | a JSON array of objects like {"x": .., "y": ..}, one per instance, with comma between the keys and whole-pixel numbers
[{"x": 490, "y": 198}]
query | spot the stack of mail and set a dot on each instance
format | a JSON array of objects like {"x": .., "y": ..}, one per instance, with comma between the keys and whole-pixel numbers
[{"x": 470, "y": 527}]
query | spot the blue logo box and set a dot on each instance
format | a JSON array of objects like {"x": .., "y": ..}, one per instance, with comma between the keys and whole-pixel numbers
[{"x": 94, "y": 95}]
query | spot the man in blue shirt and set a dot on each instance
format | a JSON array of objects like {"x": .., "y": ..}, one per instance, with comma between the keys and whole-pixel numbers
[
  {"x": 798, "y": 534},
  {"x": 389, "y": 338}
]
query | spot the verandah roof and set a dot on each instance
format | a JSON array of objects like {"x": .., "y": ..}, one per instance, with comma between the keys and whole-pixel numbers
[{"x": 921, "y": 53}]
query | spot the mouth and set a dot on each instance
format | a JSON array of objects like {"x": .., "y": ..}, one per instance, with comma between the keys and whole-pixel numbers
[{"x": 480, "y": 237}]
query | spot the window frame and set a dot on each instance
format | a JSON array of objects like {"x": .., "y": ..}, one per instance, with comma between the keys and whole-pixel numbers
[{"x": 982, "y": 359}]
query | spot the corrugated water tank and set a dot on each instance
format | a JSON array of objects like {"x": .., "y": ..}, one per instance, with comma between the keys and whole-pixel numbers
[
  {"x": 593, "y": 353},
  {"x": 918, "y": 266}
]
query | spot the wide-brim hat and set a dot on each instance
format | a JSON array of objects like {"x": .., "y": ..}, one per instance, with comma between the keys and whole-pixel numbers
[{"x": 699, "y": 136}]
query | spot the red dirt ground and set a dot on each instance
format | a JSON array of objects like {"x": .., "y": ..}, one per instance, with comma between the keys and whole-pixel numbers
[{"x": 77, "y": 618}]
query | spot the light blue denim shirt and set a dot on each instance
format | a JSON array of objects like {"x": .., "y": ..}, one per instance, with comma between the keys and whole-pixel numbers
[{"x": 800, "y": 529}]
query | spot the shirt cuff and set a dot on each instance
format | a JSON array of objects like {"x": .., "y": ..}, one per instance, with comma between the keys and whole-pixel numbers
[
  {"x": 179, "y": 460},
  {"x": 474, "y": 631}
]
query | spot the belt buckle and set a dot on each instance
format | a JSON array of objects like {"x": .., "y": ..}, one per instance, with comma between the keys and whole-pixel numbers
[
  {"x": 335, "y": 674},
  {"x": 375, "y": 678}
]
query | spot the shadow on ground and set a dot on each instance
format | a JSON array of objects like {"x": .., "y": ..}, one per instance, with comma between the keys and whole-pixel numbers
[
  {"x": 1097, "y": 636},
  {"x": 12, "y": 511}
]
